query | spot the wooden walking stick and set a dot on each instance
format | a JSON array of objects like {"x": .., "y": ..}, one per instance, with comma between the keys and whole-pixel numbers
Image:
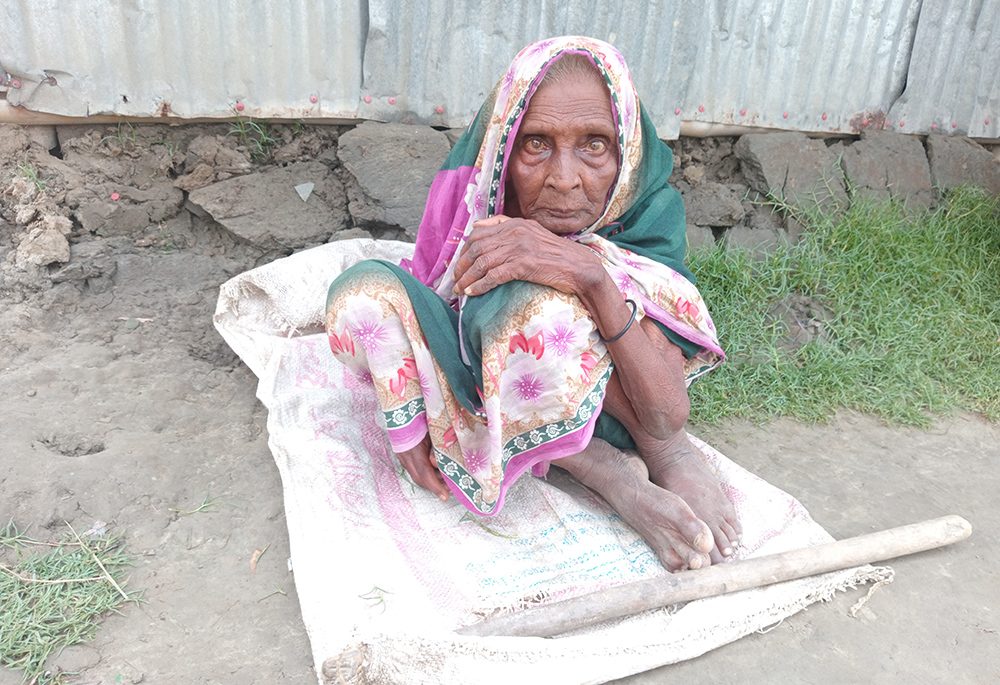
[{"x": 623, "y": 600}]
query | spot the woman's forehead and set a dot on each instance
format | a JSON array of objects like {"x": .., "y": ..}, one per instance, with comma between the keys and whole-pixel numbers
[{"x": 575, "y": 101}]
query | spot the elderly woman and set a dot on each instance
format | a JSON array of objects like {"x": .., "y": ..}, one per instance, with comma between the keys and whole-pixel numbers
[{"x": 547, "y": 315}]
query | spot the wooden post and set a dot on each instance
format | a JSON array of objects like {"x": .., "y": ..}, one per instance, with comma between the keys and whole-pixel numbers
[{"x": 623, "y": 600}]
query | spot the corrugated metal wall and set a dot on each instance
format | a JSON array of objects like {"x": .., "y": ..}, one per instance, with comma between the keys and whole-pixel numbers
[
  {"x": 953, "y": 83},
  {"x": 188, "y": 58},
  {"x": 772, "y": 63},
  {"x": 811, "y": 65}
]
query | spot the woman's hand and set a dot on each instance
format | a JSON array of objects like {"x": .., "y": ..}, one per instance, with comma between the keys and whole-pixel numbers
[
  {"x": 419, "y": 463},
  {"x": 648, "y": 366},
  {"x": 501, "y": 249}
]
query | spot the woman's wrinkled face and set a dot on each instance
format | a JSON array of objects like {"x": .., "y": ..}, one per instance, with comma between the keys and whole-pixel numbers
[{"x": 565, "y": 157}]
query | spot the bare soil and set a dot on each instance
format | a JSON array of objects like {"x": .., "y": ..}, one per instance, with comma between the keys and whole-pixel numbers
[{"x": 121, "y": 404}]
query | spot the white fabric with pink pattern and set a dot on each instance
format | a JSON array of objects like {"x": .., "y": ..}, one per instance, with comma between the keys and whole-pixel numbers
[{"x": 386, "y": 570}]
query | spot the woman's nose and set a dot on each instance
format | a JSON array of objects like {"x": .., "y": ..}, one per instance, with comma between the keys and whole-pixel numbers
[{"x": 564, "y": 170}]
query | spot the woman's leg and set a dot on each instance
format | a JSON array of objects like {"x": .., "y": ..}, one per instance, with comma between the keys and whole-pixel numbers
[
  {"x": 372, "y": 330},
  {"x": 677, "y": 465},
  {"x": 539, "y": 344},
  {"x": 680, "y": 539}
]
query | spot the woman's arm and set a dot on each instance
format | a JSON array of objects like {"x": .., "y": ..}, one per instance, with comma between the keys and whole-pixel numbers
[
  {"x": 651, "y": 372},
  {"x": 649, "y": 367}
]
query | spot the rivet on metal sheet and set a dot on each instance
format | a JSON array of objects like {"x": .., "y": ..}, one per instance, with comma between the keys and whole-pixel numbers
[
  {"x": 954, "y": 124},
  {"x": 313, "y": 99},
  {"x": 701, "y": 108},
  {"x": 439, "y": 110},
  {"x": 368, "y": 99},
  {"x": 239, "y": 106},
  {"x": 987, "y": 122},
  {"x": 52, "y": 81},
  {"x": 677, "y": 111},
  {"x": 743, "y": 112},
  {"x": 824, "y": 116},
  {"x": 392, "y": 101},
  {"x": 15, "y": 84},
  {"x": 933, "y": 127},
  {"x": 902, "y": 124},
  {"x": 115, "y": 196},
  {"x": 784, "y": 115},
  {"x": 864, "y": 122}
]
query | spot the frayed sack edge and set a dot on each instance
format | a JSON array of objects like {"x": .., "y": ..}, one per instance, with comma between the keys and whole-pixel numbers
[{"x": 384, "y": 659}]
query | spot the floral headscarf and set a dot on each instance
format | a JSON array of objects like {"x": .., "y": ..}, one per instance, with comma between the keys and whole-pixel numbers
[{"x": 641, "y": 234}]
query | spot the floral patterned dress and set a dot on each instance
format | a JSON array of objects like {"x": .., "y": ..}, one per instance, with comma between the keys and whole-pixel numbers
[{"x": 507, "y": 381}]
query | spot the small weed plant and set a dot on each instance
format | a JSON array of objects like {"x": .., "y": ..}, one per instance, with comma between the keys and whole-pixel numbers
[
  {"x": 26, "y": 171},
  {"x": 125, "y": 137},
  {"x": 915, "y": 325},
  {"x": 253, "y": 135},
  {"x": 52, "y": 595}
]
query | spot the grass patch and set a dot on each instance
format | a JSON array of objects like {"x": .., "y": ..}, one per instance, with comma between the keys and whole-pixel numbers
[
  {"x": 52, "y": 595},
  {"x": 125, "y": 138},
  {"x": 207, "y": 505},
  {"x": 915, "y": 325},
  {"x": 28, "y": 172},
  {"x": 255, "y": 136}
]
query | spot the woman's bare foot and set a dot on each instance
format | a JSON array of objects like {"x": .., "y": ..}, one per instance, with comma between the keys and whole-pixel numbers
[
  {"x": 422, "y": 468},
  {"x": 668, "y": 525},
  {"x": 680, "y": 467}
]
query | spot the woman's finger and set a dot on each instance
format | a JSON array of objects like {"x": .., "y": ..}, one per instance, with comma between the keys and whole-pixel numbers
[
  {"x": 424, "y": 473},
  {"x": 495, "y": 265},
  {"x": 491, "y": 221},
  {"x": 474, "y": 247},
  {"x": 504, "y": 273},
  {"x": 487, "y": 248},
  {"x": 497, "y": 252}
]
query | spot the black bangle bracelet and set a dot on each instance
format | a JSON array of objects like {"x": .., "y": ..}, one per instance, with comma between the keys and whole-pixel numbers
[{"x": 635, "y": 308}]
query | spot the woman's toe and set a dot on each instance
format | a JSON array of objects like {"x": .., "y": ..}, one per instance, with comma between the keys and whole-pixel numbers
[
  {"x": 671, "y": 560},
  {"x": 698, "y": 560}
]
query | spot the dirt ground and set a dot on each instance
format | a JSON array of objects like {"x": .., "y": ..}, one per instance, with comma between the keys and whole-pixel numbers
[{"x": 120, "y": 404}]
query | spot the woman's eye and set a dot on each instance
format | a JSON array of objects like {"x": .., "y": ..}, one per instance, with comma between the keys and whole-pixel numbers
[
  {"x": 534, "y": 145},
  {"x": 596, "y": 145}
]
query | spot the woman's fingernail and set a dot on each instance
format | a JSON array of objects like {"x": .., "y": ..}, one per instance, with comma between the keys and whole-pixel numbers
[
  {"x": 443, "y": 498},
  {"x": 728, "y": 551}
]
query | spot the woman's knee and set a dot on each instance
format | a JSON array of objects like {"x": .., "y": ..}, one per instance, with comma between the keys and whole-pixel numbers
[
  {"x": 533, "y": 310},
  {"x": 368, "y": 286}
]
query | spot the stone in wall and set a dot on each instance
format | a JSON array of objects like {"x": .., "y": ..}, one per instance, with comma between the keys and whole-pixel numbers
[
  {"x": 699, "y": 237},
  {"x": 90, "y": 261},
  {"x": 960, "y": 161},
  {"x": 883, "y": 165},
  {"x": 711, "y": 204},
  {"x": 133, "y": 210},
  {"x": 212, "y": 158},
  {"x": 393, "y": 166},
  {"x": 14, "y": 143},
  {"x": 45, "y": 242},
  {"x": 266, "y": 210},
  {"x": 759, "y": 241},
  {"x": 800, "y": 170}
]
